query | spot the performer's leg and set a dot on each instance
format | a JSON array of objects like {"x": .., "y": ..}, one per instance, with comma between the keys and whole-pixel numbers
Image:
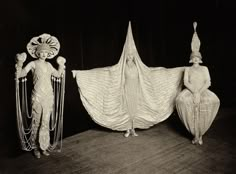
[
  {"x": 133, "y": 132},
  {"x": 197, "y": 139},
  {"x": 196, "y": 136},
  {"x": 194, "y": 140},
  {"x": 37, "y": 153},
  {"x": 196, "y": 125},
  {"x": 200, "y": 141},
  {"x": 36, "y": 115},
  {"x": 44, "y": 137}
]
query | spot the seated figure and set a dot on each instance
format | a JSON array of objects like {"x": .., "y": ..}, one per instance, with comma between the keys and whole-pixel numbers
[
  {"x": 129, "y": 95},
  {"x": 196, "y": 105}
]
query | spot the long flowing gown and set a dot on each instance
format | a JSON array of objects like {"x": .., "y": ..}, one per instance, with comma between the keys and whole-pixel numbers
[
  {"x": 42, "y": 103},
  {"x": 197, "y": 118},
  {"x": 104, "y": 92},
  {"x": 131, "y": 92},
  {"x": 43, "y": 127}
]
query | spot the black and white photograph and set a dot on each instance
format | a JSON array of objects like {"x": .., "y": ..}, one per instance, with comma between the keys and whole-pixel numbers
[{"x": 118, "y": 87}]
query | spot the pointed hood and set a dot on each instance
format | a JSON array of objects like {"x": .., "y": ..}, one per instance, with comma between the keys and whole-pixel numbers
[{"x": 130, "y": 48}]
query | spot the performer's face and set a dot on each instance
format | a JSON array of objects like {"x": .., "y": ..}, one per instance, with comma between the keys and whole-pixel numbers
[
  {"x": 43, "y": 54},
  {"x": 195, "y": 60}
]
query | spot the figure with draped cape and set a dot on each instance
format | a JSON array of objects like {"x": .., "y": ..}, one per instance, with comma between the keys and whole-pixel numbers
[
  {"x": 129, "y": 95},
  {"x": 47, "y": 97},
  {"x": 196, "y": 105},
  {"x": 131, "y": 91}
]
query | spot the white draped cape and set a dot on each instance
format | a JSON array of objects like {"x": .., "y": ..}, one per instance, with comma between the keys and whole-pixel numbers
[{"x": 102, "y": 92}]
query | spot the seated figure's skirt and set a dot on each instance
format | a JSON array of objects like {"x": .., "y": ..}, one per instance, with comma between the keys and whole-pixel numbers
[{"x": 197, "y": 118}]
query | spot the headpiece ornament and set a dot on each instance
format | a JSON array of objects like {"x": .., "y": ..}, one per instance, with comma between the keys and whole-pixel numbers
[
  {"x": 195, "y": 45},
  {"x": 43, "y": 42}
]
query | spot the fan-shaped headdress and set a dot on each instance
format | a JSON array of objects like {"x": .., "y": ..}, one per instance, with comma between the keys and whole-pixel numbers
[{"x": 43, "y": 42}]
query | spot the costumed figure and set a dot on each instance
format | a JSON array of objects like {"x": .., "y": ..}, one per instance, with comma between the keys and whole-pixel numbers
[
  {"x": 196, "y": 105},
  {"x": 41, "y": 129},
  {"x": 129, "y": 95}
]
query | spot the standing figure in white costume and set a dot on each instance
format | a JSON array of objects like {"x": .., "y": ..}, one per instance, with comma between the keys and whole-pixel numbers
[
  {"x": 129, "y": 95},
  {"x": 197, "y": 106},
  {"x": 131, "y": 86},
  {"x": 48, "y": 83}
]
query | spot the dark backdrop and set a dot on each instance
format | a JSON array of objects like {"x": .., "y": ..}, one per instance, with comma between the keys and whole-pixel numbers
[{"x": 92, "y": 34}]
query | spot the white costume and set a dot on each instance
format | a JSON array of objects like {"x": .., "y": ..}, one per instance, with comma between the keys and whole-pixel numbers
[
  {"x": 120, "y": 98},
  {"x": 47, "y": 98},
  {"x": 197, "y": 117}
]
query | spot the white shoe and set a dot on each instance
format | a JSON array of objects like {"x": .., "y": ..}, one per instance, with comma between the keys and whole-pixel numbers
[
  {"x": 194, "y": 141},
  {"x": 134, "y": 134},
  {"x": 127, "y": 133},
  {"x": 45, "y": 153},
  {"x": 37, "y": 153},
  {"x": 200, "y": 142}
]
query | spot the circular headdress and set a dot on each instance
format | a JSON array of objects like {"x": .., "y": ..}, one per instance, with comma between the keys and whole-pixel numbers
[{"x": 43, "y": 42}]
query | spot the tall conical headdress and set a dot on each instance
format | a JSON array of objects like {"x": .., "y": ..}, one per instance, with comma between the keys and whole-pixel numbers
[
  {"x": 129, "y": 46},
  {"x": 195, "y": 45}
]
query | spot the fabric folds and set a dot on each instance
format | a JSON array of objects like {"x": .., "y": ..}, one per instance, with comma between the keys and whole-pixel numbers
[{"x": 103, "y": 93}]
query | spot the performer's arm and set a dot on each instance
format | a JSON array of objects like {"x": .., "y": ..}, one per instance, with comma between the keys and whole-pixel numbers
[
  {"x": 207, "y": 83},
  {"x": 186, "y": 81},
  {"x": 20, "y": 60}
]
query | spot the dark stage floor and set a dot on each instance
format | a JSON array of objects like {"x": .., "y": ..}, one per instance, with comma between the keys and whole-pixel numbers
[{"x": 163, "y": 149}]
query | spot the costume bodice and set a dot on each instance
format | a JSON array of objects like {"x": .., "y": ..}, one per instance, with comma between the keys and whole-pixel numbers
[
  {"x": 42, "y": 77},
  {"x": 198, "y": 76},
  {"x": 131, "y": 72}
]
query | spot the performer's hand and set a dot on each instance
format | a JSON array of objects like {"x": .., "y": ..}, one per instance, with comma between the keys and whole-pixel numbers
[
  {"x": 21, "y": 57},
  {"x": 61, "y": 61}
]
